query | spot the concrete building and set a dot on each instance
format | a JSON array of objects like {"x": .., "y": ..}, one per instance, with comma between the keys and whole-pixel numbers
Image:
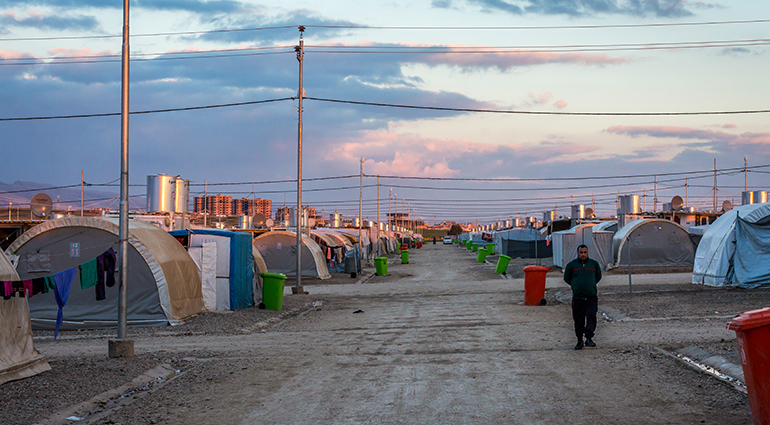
[
  {"x": 247, "y": 206},
  {"x": 214, "y": 205}
]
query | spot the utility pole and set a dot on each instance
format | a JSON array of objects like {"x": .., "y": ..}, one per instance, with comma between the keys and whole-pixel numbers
[
  {"x": 655, "y": 198},
  {"x": 81, "y": 193},
  {"x": 361, "y": 208},
  {"x": 395, "y": 214},
  {"x": 205, "y": 201},
  {"x": 300, "y": 95},
  {"x": 687, "y": 192},
  {"x": 378, "y": 206},
  {"x": 390, "y": 194},
  {"x": 715, "y": 185},
  {"x": 745, "y": 174},
  {"x": 122, "y": 347}
]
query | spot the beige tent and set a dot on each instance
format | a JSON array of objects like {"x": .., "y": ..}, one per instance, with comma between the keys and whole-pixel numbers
[
  {"x": 163, "y": 282},
  {"x": 18, "y": 356},
  {"x": 278, "y": 250}
]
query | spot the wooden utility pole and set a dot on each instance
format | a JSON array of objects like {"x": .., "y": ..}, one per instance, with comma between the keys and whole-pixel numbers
[{"x": 300, "y": 95}]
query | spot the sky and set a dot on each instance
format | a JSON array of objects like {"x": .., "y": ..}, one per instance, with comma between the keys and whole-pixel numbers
[{"x": 555, "y": 56}]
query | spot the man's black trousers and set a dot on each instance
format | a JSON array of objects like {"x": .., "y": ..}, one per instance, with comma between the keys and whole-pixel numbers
[{"x": 584, "y": 315}]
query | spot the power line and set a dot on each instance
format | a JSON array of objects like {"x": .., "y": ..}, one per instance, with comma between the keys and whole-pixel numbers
[
  {"x": 502, "y": 111},
  {"x": 32, "y": 61},
  {"x": 153, "y": 111},
  {"x": 367, "y": 27},
  {"x": 732, "y": 171}
]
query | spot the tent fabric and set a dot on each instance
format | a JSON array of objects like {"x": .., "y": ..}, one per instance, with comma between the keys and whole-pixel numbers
[
  {"x": 235, "y": 265},
  {"x": 163, "y": 280},
  {"x": 205, "y": 257},
  {"x": 730, "y": 246},
  {"x": 523, "y": 242},
  {"x": 654, "y": 242},
  {"x": 259, "y": 267},
  {"x": 278, "y": 249},
  {"x": 18, "y": 356},
  {"x": 607, "y": 226},
  {"x": 565, "y": 244}
]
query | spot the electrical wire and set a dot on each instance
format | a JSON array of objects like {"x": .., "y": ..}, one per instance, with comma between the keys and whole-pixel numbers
[
  {"x": 368, "y": 27},
  {"x": 153, "y": 111},
  {"x": 502, "y": 111}
]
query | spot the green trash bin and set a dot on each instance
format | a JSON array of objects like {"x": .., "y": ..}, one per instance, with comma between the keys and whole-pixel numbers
[
  {"x": 490, "y": 249},
  {"x": 482, "y": 256},
  {"x": 381, "y": 264},
  {"x": 398, "y": 246},
  {"x": 405, "y": 256},
  {"x": 469, "y": 245},
  {"x": 475, "y": 247},
  {"x": 272, "y": 290},
  {"x": 502, "y": 264}
]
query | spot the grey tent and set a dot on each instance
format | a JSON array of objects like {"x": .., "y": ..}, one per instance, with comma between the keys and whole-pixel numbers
[
  {"x": 735, "y": 249},
  {"x": 18, "y": 356},
  {"x": 565, "y": 244},
  {"x": 163, "y": 283},
  {"x": 654, "y": 242},
  {"x": 524, "y": 242},
  {"x": 278, "y": 249}
]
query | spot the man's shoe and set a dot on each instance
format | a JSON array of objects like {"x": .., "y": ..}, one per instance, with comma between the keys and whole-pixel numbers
[
  {"x": 590, "y": 343},
  {"x": 579, "y": 345}
]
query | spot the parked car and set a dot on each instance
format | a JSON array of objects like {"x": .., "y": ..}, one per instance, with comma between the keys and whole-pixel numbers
[{"x": 447, "y": 240}]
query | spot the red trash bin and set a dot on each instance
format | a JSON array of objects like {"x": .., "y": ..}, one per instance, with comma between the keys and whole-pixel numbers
[
  {"x": 534, "y": 284},
  {"x": 753, "y": 333}
]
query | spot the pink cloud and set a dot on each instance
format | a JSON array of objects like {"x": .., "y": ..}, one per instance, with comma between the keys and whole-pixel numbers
[
  {"x": 391, "y": 153},
  {"x": 729, "y": 126},
  {"x": 540, "y": 99},
  {"x": 560, "y": 104},
  {"x": 62, "y": 52},
  {"x": 12, "y": 54}
]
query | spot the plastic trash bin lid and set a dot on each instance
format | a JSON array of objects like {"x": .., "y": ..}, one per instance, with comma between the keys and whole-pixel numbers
[
  {"x": 275, "y": 275},
  {"x": 750, "y": 320},
  {"x": 537, "y": 269}
]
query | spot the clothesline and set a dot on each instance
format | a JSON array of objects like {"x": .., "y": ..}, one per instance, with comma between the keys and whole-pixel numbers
[{"x": 98, "y": 272}]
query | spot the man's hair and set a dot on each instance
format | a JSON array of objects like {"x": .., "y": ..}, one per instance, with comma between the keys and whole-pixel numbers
[{"x": 582, "y": 246}]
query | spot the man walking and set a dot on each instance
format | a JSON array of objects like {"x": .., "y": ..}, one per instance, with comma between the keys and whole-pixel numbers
[{"x": 582, "y": 274}]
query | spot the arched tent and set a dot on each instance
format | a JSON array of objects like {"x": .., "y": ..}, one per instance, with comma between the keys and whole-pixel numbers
[
  {"x": 164, "y": 286},
  {"x": 333, "y": 250},
  {"x": 654, "y": 242},
  {"x": 225, "y": 264},
  {"x": 18, "y": 356},
  {"x": 607, "y": 226},
  {"x": 524, "y": 243},
  {"x": 565, "y": 244},
  {"x": 733, "y": 246},
  {"x": 278, "y": 249}
]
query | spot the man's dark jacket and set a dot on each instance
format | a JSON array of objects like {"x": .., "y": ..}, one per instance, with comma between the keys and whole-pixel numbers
[{"x": 583, "y": 277}]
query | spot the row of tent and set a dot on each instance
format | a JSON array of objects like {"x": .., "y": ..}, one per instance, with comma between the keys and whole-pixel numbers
[
  {"x": 732, "y": 251},
  {"x": 172, "y": 275}
]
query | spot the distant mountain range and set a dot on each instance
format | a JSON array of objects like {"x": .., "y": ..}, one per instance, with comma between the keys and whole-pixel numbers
[{"x": 19, "y": 194}]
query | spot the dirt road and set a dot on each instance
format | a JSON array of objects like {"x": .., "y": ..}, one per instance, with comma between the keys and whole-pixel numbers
[{"x": 440, "y": 340}]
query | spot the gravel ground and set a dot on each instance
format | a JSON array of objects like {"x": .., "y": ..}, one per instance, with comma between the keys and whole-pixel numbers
[{"x": 73, "y": 380}]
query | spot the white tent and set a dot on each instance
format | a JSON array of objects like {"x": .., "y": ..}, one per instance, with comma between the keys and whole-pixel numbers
[
  {"x": 18, "y": 356},
  {"x": 279, "y": 251},
  {"x": 654, "y": 242},
  {"x": 735, "y": 249},
  {"x": 164, "y": 282},
  {"x": 565, "y": 244}
]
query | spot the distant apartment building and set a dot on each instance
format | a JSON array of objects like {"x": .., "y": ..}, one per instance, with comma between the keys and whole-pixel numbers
[
  {"x": 283, "y": 213},
  {"x": 246, "y": 206},
  {"x": 214, "y": 205}
]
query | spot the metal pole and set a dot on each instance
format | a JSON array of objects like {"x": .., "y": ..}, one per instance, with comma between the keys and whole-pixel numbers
[
  {"x": 301, "y": 95},
  {"x": 629, "y": 264},
  {"x": 687, "y": 192},
  {"x": 81, "y": 193},
  {"x": 655, "y": 198},
  {"x": 205, "y": 201},
  {"x": 361, "y": 209},
  {"x": 378, "y": 206},
  {"x": 390, "y": 194},
  {"x": 123, "y": 218},
  {"x": 715, "y": 185},
  {"x": 745, "y": 174}
]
